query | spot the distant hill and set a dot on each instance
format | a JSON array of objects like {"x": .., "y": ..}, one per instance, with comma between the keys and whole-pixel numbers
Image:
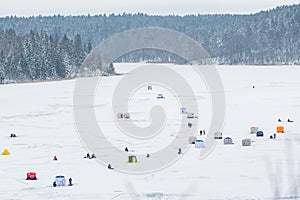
[{"x": 267, "y": 37}]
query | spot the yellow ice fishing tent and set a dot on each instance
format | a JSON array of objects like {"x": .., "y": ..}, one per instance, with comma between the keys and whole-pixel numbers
[
  {"x": 132, "y": 159},
  {"x": 5, "y": 152}
]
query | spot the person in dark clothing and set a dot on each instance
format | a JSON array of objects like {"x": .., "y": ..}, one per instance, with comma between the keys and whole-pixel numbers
[
  {"x": 203, "y": 132},
  {"x": 274, "y": 135},
  {"x": 290, "y": 121},
  {"x": 148, "y": 155},
  {"x": 200, "y": 132},
  {"x": 179, "y": 151},
  {"x": 271, "y": 136},
  {"x": 70, "y": 182},
  {"x": 126, "y": 149},
  {"x": 279, "y": 120},
  {"x": 93, "y": 156},
  {"x": 55, "y": 158},
  {"x": 13, "y": 135},
  {"x": 54, "y": 184},
  {"x": 109, "y": 166}
]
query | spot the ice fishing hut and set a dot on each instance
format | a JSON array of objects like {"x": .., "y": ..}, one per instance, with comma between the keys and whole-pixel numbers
[
  {"x": 253, "y": 129},
  {"x": 60, "y": 180},
  {"x": 183, "y": 110},
  {"x": 228, "y": 140},
  {"x": 31, "y": 176},
  {"x": 280, "y": 129},
  {"x": 259, "y": 134},
  {"x": 160, "y": 96},
  {"x": 199, "y": 144},
  {"x": 192, "y": 140},
  {"x": 218, "y": 135},
  {"x": 190, "y": 115},
  {"x": 246, "y": 142},
  {"x": 132, "y": 159}
]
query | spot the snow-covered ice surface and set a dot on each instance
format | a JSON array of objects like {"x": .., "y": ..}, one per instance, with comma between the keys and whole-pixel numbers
[{"x": 41, "y": 115}]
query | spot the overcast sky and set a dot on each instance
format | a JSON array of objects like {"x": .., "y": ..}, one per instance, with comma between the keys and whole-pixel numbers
[{"x": 162, "y": 7}]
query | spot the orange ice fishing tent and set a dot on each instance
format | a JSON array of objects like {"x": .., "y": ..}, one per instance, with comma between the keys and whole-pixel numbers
[{"x": 280, "y": 129}]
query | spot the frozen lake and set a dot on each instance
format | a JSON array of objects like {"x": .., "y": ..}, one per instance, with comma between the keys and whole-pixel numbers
[{"x": 41, "y": 115}]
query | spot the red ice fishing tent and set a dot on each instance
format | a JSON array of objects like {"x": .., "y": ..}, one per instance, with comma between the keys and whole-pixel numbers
[{"x": 31, "y": 176}]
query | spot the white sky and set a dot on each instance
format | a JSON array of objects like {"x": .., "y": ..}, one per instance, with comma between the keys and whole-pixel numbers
[{"x": 162, "y": 7}]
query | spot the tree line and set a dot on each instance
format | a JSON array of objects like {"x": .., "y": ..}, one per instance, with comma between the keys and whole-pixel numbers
[{"x": 46, "y": 47}]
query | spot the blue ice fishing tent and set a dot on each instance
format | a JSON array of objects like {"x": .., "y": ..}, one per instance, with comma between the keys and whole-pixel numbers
[
  {"x": 199, "y": 144},
  {"x": 60, "y": 180},
  {"x": 160, "y": 96},
  {"x": 228, "y": 140},
  {"x": 259, "y": 134}
]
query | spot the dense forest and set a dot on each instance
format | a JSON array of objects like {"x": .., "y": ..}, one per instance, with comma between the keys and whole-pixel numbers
[{"x": 41, "y": 47}]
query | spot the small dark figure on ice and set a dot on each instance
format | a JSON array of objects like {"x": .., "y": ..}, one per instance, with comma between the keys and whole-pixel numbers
[
  {"x": 70, "y": 182},
  {"x": 126, "y": 149},
  {"x": 13, "y": 135},
  {"x": 109, "y": 166},
  {"x": 179, "y": 151},
  {"x": 279, "y": 120},
  {"x": 290, "y": 121}
]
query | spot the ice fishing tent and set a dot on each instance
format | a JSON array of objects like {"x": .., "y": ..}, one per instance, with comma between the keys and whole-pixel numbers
[
  {"x": 259, "y": 134},
  {"x": 253, "y": 129},
  {"x": 183, "y": 110},
  {"x": 280, "y": 129},
  {"x": 60, "y": 180},
  {"x": 199, "y": 144},
  {"x": 228, "y": 140},
  {"x": 246, "y": 142},
  {"x": 123, "y": 115},
  {"x": 132, "y": 159},
  {"x": 160, "y": 96},
  {"x": 192, "y": 140},
  {"x": 149, "y": 87},
  {"x": 5, "y": 152},
  {"x": 218, "y": 135},
  {"x": 190, "y": 115},
  {"x": 120, "y": 115},
  {"x": 31, "y": 176},
  {"x": 126, "y": 115}
]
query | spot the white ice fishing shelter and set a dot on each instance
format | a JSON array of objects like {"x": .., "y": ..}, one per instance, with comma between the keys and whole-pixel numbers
[
  {"x": 253, "y": 129},
  {"x": 60, "y": 180},
  {"x": 183, "y": 110},
  {"x": 190, "y": 115},
  {"x": 218, "y": 135},
  {"x": 199, "y": 144},
  {"x": 120, "y": 115},
  {"x": 246, "y": 142},
  {"x": 126, "y": 115}
]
